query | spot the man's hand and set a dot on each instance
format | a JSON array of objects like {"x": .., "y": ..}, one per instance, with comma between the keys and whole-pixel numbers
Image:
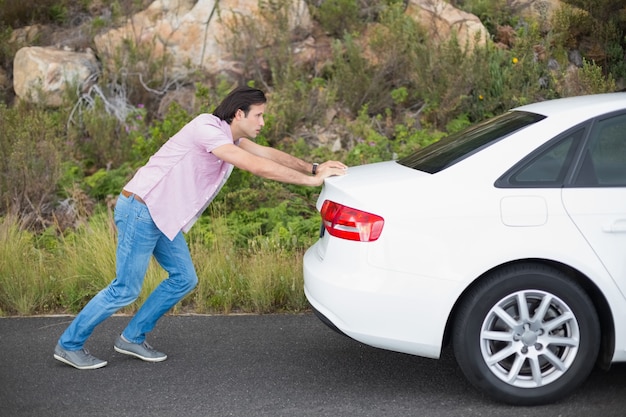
[{"x": 330, "y": 169}]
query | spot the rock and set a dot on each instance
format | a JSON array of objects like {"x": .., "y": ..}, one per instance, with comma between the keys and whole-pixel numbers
[
  {"x": 192, "y": 34},
  {"x": 44, "y": 74},
  {"x": 442, "y": 20},
  {"x": 26, "y": 35},
  {"x": 575, "y": 57},
  {"x": 541, "y": 9}
]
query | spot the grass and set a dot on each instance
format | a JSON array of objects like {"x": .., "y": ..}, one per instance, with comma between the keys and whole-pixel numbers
[
  {"x": 62, "y": 277},
  {"x": 25, "y": 280},
  {"x": 253, "y": 279}
]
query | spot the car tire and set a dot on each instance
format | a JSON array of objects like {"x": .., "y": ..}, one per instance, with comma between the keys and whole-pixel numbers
[{"x": 527, "y": 334}]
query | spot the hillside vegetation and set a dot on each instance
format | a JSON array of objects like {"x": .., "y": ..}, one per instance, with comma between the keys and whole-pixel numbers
[{"x": 61, "y": 168}]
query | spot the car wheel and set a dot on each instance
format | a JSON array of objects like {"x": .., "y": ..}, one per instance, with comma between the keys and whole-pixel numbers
[{"x": 526, "y": 335}]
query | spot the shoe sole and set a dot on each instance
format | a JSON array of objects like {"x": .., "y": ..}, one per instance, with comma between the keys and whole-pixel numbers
[
  {"x": 96, "y": 366},
  {"x": 136, "y": 355}
]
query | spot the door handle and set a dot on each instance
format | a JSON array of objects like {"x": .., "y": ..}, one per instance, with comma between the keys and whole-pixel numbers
[{"x": 618, "y": 226}]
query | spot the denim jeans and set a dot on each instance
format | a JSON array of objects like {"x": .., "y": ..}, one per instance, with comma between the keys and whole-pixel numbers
[{"x": 138, "y": 240}]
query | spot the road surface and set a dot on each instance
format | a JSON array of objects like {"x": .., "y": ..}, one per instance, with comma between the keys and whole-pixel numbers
[{"x": 248, "y": 366}]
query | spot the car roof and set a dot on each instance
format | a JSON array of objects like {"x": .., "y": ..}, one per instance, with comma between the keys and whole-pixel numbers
[{"x": 584, "y": 106}]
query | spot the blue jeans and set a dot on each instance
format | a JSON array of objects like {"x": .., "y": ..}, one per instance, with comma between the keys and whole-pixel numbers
[{"x": 138, "y": 240}]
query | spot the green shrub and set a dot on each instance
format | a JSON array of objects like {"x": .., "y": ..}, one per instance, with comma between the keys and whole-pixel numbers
[
  {"x": 25, "y": 12},
  {"x": 7, "y": 52},
  {"x": 492, "y": 13},
  {"x": 99, "y": 137},
  {"x": 295, "y": 104},
  {"x": 597, "y": 29},
  {"x": 146, "y": 141},
  {"x": 32, "y": 148},
  {"x": 338, "y": 17},
  {"x": 104, "y": 183},
  {"x": 373, "y": 69},
  {"x": 587, "y": 80}
]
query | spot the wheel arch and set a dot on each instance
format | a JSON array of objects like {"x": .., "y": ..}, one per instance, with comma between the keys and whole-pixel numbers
[{"x": 607, "y": 323}]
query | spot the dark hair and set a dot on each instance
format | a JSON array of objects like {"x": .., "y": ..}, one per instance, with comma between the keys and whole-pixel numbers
[{"x": 240, "y": 98}]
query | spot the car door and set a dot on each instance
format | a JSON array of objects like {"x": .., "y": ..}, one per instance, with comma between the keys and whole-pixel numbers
[{"x": 596, "y": 200}]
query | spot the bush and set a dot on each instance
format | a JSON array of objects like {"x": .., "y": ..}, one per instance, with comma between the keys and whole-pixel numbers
[
  {"x": 32, "y": 154},
  {"x": 368, "y": 74},
  {"x": 338, "y": 17},
  {"x": 597, "y": 29}
]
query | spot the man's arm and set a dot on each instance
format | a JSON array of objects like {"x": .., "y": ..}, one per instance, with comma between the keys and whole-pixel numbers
[
  {"x": 276, "y": 165},
  {"x": 276, "y": 155}
]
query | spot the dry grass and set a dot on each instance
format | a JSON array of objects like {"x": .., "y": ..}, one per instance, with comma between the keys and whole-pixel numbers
[
  {"x": 35, "y": 280},
  {"x": 25, "y": 282}
]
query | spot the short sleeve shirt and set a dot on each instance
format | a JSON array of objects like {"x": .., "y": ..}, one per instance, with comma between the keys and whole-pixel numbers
[{"x": 183, "y": 176}]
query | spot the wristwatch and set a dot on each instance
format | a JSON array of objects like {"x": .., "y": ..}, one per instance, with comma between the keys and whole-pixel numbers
[{"x": 314, "y": 169}]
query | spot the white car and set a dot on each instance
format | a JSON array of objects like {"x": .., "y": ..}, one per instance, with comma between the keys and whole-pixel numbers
[{"x": 507, "y": 241}]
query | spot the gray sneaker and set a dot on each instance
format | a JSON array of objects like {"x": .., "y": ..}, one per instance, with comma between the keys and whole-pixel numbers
[
  {"x": 142, "y": 351},
  {"x": 79, "y": 359}
]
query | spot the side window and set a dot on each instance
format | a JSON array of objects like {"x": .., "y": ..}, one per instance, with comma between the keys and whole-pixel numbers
[
  {"x": 548, "y": 169},
  {"x": 604, "y": 159}
]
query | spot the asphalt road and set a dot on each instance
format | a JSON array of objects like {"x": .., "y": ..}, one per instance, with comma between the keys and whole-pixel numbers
[{"x": 248, "y": 366}]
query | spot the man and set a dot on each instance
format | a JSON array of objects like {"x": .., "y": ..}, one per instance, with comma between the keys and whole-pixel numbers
[{"x": 163, "y": 200}]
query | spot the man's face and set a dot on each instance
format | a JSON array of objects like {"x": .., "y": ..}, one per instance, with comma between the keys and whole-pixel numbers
[{"x": 251, "y": 125}]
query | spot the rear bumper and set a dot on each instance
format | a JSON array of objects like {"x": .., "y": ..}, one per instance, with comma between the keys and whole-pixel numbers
[
  {"x": 376, "y": 307},
  {"x": 327, "y": 322}
]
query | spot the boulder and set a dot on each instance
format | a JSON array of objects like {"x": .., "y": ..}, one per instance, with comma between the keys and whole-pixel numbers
[
  {"x": 442, "y": 21},
  {"x": 192, "y": 34},
  {"x": 44, "y": 74},
  {"x": 26, "y": 35},
  {"x": 539, "y": 9}
]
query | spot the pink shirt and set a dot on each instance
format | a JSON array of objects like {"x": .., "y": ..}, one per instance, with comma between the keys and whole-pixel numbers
[{"x": 183, "y": 177}]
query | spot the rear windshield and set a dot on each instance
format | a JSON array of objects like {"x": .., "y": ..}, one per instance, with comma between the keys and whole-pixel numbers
[{"x": 458, "y": 146}]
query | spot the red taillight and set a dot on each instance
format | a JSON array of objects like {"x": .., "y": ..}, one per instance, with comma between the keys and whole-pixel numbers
[{"x": 351, "y": 224}]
